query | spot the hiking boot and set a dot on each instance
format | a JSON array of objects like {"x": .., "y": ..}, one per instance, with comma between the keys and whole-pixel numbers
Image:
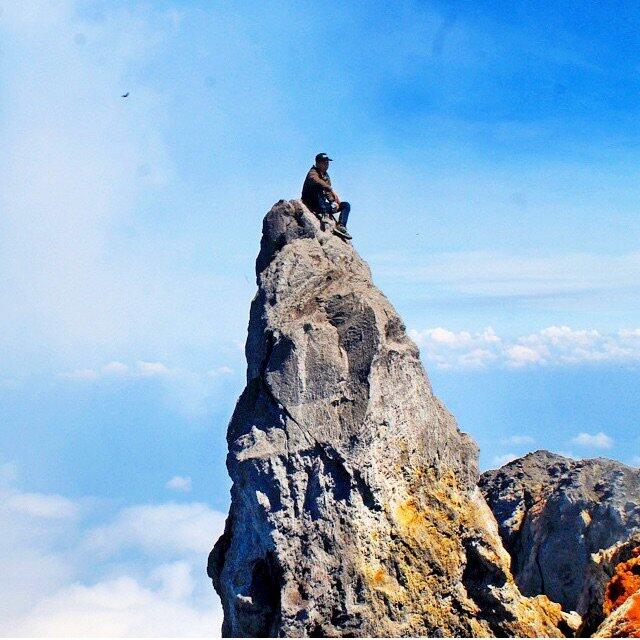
[{"x": 341, "y": 230}]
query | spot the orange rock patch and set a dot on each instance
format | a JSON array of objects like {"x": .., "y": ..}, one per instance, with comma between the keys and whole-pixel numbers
[
  {"x": 630, "y": 626},
  {"x": 634, "y": 614},
  {"x": 625, "y": 582}
]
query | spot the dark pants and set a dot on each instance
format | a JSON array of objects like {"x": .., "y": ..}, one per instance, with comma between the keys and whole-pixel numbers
[{"x": 344, "y": 209}]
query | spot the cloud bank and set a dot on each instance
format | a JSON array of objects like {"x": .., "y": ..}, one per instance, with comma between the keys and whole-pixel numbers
[
  {"x": 598, "y": 440},
  {"x": 88, "y": 261},
  {"x": 192, "y": 393},
  {"x": 555, "y": 345},
  {"x": 504, "y": 275},
  {"x": 140, "y": 572}
]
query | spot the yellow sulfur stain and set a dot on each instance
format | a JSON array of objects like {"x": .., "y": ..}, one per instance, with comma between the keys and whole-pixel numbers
[
  {"x": 409, "y": 518},
  {"x": 381, "y": 581},
  {"x": 430, "y": 531}
]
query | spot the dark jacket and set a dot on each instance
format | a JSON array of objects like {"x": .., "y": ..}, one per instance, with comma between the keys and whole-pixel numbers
[{"x": 315, "y": 185}]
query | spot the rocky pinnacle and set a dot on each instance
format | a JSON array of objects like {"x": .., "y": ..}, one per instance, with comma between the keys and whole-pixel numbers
[{"x": 354, "y": 506}]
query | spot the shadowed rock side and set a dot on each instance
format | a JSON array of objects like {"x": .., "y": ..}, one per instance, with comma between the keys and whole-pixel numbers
[
  {"x": 355, "y": 510},
  {"x": 553, "y": 514}
]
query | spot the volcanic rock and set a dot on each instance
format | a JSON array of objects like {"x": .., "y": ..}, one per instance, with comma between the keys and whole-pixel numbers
[
  {"x": 355, "y": 510},
  {"x": 624, "y": 622},
  {"x": 554, "y": 512},
  {"x": 595, "y": 603},
  {"x": 620, "y": 600}
]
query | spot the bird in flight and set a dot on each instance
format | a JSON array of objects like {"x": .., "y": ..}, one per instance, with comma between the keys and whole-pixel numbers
[{"x": 125, "y": 95}]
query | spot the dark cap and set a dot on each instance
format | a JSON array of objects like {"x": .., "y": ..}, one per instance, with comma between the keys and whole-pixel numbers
[{"x": 323, "y": 156}]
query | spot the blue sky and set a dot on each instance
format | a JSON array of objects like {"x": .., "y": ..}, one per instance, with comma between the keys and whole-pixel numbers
[{"x": 490, "y": 157}]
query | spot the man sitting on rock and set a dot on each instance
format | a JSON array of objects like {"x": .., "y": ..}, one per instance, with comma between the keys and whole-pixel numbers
[{"x": 319, "y": 196}]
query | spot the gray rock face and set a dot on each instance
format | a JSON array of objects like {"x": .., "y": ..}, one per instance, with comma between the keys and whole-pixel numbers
[
  {"x": 554, "y": 512},
  {"x": 355, "y": 510}
]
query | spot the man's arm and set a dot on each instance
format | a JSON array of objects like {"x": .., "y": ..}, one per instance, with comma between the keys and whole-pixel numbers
[{"x": 315, "y": 178}]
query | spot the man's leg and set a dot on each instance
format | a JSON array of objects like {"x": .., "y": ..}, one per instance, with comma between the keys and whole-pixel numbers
[
  {"x": 323, "y": 211},
  {"x": 341, "y": 227},
  {"x": 324, "y": 206},
  {"x": 344, "y": 210}
]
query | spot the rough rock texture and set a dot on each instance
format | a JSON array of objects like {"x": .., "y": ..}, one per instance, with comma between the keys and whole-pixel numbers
[
  {"x": 604, "y": 565},
  {"x": 554, "y": 512},
  {"x": 355, "y": 510},
  {"x": 625, "y": 582},
  {"x": 624, "y": 622},
  {"x": 622, "y": 600}
]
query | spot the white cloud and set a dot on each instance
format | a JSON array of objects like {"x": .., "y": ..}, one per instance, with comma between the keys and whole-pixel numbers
[
  {"x": 518, "y": 439},
  {"x": 598, "y": 440},
  {"x": 163, "y": 528},
  {"x": 175, "y": 579},
  {"x": 496, "y": 274},
  {"x": 489, "y": 336},
  {"x": 192, "y": 393},
  {"x": 80, "y": 269},
  {"x": 58, "y": 583},
  {"x": 81, "y": 374},
  {"x": 179, "y": 483},
  {"x": 462, "y": 349},
  {"x": 71, "y": 173},
  {"x": 141, "y": 369},
  {"x": 220, "y": 371},
  {"x": 115, "y": 368},
  {"x": 443, "y": 336},
  {"x": 566, "y": 335},
  {"x": 29, "y": 16},
  {"x": 519, "y": 355},
  {"x": 499, "y": 461},
  {"x": 42, "y": 505},
  {"x": 439, "y": 335},
  {"x": 476, "y": 358},
  {"x": 151, "y": 369},
  {"x": 124, "y": 606},
  {"x": 8, "y": 472},
  {"x": 554, "y": 345},
  {"x": 567, "y": 454}
]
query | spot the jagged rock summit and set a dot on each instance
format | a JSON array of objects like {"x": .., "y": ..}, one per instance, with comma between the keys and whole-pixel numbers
[
  {"x": 355, "y": 510},
  {"x": 566, "y": 524}
]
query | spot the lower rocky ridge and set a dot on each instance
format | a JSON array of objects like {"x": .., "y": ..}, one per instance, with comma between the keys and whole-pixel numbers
[
  {"x": 604, "y": 577},
  {"x": 355, "y": 510},
  {"x": 567, "y": 525}
]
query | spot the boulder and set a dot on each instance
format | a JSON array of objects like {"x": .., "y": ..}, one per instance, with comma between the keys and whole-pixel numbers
[
  {"x": 554, "y": 512},
  {"x": 602, "y": 568}
]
